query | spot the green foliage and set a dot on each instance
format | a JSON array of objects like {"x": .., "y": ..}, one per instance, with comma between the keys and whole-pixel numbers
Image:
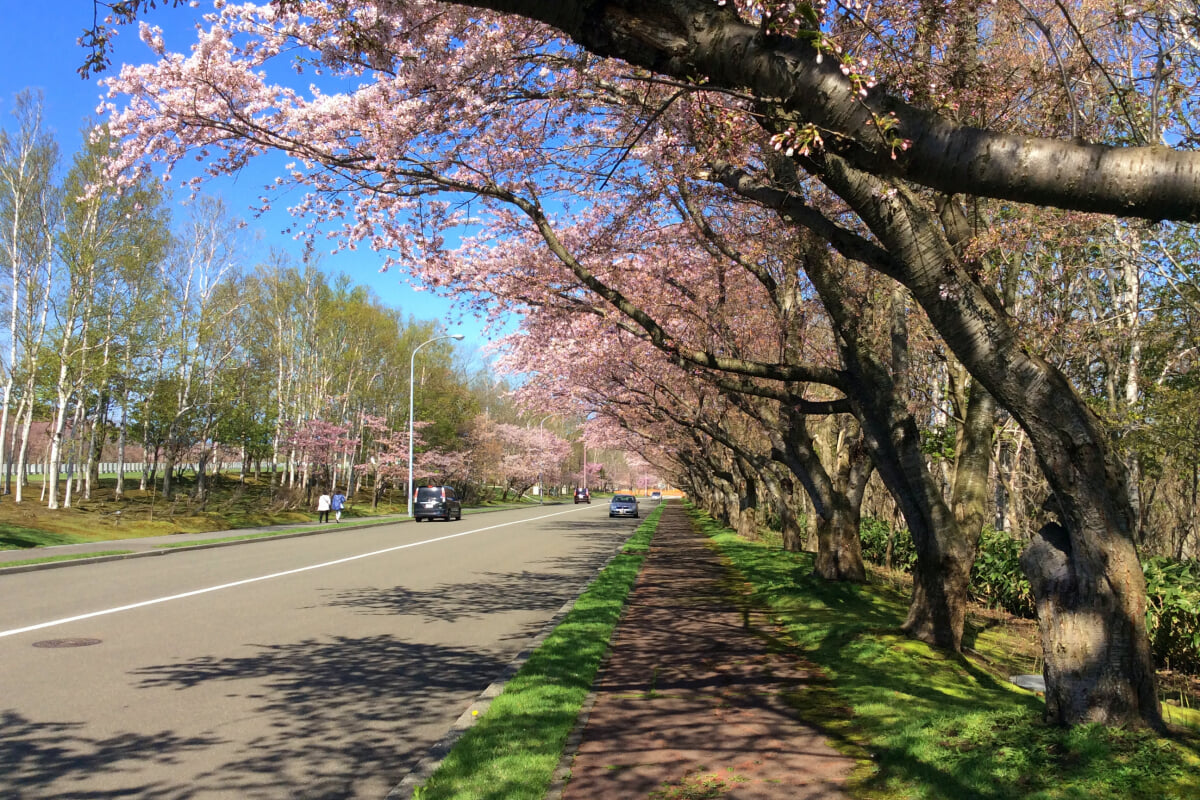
[
  {"x": 940, "y": 443},
  {"x": 997, "y": 581},
  {"x": 875, "y": 534},
  {"x": 996, "y": 577},
  {"x": 1173, "y": 612}
]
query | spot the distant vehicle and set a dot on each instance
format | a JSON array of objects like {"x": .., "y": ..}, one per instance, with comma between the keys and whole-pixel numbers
[
  {"x": 656, "y": 496},
  {"x": 583, "y": 496},
  {"x": 433, "y": 502},
  {"x": 623, "y": 505}
]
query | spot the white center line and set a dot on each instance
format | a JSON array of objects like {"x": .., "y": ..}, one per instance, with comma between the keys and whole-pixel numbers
[{"x": 196, "y": 592}]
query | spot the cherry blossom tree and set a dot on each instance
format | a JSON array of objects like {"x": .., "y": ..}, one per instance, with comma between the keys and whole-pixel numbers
[
  {"x": 321, "y": 445},
  {"x": 445, "y": 116}
]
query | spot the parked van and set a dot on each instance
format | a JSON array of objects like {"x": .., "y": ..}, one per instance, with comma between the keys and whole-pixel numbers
[{"x": 436, "y": 502}]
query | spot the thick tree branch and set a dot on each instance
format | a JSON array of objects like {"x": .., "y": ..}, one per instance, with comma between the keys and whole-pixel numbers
[{"x": 699, "y": 40}]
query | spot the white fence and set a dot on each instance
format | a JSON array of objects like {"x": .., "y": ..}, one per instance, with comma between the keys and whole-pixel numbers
[{"x": 133, "y": 468}]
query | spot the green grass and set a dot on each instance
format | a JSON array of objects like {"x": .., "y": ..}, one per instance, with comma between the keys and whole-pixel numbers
[
  {"x": 53, "y": 559},
  {"x": 937, "y": 725},
  {"x": 513, "y": 750},
  {"x": 16, "y": 537}
]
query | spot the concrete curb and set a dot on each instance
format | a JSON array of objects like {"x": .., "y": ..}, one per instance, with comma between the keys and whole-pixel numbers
[{"x": 162, "y": 550}]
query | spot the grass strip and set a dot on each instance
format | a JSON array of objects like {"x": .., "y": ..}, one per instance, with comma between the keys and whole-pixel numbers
[
  {"x": 242, "y": 537},
  {"x": 935, "y": 724},
  {"x": 513, "y": 750},
  {"x": 17, "y": 537},
  {"x": 73, "y": 557},
  {"x": 347, "y": 524}
]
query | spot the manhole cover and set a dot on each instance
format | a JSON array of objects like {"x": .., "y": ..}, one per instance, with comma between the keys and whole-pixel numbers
[{"x": 66, "y": 642}]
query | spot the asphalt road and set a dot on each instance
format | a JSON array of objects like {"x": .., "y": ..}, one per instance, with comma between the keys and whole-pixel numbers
[{"x": 316, "y": 667}]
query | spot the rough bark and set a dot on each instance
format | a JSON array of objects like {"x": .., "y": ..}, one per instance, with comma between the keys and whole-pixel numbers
[
  {"x": 969, "y": 494},
  {"x": 781, "y": 490},
  {"x": 836, "y": 516},
  {"x": 1090, "y": 654},
  {"x": 1084, "y": 473},
  {"x": 747, "y": 499}
]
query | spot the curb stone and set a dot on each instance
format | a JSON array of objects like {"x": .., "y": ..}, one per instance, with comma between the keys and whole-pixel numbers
[
  {"x": 162, "y": 550},
  {"x": 234, "y": 538}
]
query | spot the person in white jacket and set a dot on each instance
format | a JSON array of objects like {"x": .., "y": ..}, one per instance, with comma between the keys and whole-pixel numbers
[{"x": 323, "y": 504}]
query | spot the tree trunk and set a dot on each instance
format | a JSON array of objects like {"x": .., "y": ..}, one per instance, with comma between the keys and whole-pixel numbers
[
  {"x": 54, "y": 461},
  {"x": 168, "y": 466},
  {"x": 835, "y": 521},
  {"x": 1090, "y": 647},
  {"x": 119, "y": 491},
  {"x": 781, "y": 491},
  {"x": 938, "y": 608},
  {"x": 23, "y": 451},
  {"x": 1096, "y": 580},
  {"x": 839, "y": 546},
  {"x": 747, "y": 502},
  {"x": 969, "y": 494}
]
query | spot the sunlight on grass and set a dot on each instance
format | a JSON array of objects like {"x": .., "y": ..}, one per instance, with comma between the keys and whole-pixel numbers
[
  {"x": 513, "y": 749},
  {"x": 15, "y": 537},
  {"x": 939, "y": 725},
  {"x": 244, "y": 537}
]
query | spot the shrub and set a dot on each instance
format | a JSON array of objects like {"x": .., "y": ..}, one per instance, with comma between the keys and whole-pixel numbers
[
  {"x": 996, "y": 577},
  {"x": 1172, "y": 588},
  {"x": 1173, "y": 612},
  {"x": 875, "y": 534}
]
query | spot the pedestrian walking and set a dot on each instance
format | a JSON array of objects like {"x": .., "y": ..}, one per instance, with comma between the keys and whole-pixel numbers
[
  {"x": 337, "y": 503},
  {"x": 323, "y": 503}
]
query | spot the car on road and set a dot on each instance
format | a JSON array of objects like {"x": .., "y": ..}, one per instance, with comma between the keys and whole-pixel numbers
[
  {"x": 623, "y": 505},
  {"x": 583, "y": 496},
  {"x": 436, "y": 502},
  {"x": 656, "y": 497}
]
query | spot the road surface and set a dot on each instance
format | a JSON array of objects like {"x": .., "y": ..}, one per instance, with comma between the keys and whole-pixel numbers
[{"x": 317, "y": 667}]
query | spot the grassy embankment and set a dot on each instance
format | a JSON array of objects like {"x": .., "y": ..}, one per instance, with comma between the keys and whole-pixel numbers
[{"x": 231, "y": 505}]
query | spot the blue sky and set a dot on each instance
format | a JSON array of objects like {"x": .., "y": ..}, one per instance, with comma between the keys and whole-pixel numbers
[{"x": 38, "y": 49}]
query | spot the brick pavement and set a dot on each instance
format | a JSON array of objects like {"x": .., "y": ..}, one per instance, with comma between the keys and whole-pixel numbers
[{"x": 692, "y": 701}]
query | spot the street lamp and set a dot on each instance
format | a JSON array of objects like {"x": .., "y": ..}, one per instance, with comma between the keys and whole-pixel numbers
[{"x": 412, "y": 361}]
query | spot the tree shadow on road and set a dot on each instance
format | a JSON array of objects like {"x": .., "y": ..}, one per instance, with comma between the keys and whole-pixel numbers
[
  {"x": 340, "y": 718},
  {"x": 55, "y": 759}
]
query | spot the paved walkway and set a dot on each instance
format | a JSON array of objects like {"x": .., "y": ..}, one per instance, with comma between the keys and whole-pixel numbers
[
  {"x": 691, "y": 702},
  {"x": 158, "y": 545}
]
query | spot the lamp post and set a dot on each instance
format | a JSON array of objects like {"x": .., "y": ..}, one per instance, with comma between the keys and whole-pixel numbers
[{"x": 412, "y": 362}]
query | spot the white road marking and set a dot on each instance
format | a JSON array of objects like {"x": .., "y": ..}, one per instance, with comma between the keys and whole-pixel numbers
[{"x": 196, "y": 592}]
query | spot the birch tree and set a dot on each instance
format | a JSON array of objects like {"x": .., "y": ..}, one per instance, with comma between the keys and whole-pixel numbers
[{"x": 28, "y": 210}]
